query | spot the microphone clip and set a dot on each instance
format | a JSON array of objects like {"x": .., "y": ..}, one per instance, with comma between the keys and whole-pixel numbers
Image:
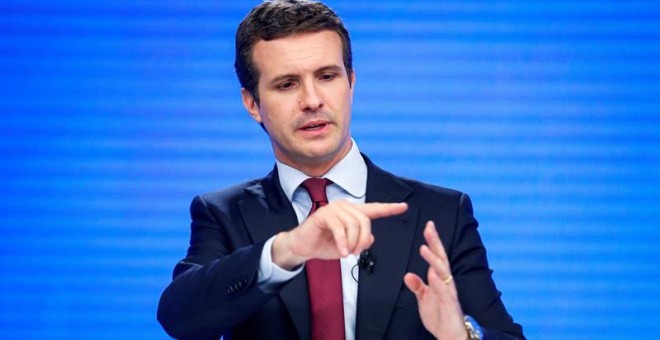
[{"x": 366, "y": 261}]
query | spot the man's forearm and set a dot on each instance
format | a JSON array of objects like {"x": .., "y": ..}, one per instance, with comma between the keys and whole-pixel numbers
[{"x": 220, "y": 293}]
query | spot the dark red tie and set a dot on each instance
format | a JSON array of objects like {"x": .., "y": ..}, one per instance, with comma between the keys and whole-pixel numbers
[{"x": 324, "y": 280}]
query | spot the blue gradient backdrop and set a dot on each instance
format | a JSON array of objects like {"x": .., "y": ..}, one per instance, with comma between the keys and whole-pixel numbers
[{"x": 114, "y": 114}]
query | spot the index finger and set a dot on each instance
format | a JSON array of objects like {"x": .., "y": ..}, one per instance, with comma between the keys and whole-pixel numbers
[
  {"x": 379, "y": 210},
  {"x": 434, "y": 242}
]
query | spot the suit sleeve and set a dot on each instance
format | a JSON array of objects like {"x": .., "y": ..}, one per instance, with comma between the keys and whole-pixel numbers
[
  {"x": 477, "y": 292},
  {"x": 214, "y": 287}
]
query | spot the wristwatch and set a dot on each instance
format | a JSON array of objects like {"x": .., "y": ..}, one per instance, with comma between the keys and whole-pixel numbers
[{"x": 472, "y": 328}]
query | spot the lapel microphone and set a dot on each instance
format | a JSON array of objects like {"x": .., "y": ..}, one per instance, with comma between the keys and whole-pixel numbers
[{"x": 366, "y": 261}]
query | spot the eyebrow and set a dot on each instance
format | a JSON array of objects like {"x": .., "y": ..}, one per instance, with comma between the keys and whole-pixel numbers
[{"x": 332, "y": 68}]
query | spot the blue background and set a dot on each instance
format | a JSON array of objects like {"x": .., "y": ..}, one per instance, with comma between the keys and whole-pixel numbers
[{"x": 114, "y": 114}]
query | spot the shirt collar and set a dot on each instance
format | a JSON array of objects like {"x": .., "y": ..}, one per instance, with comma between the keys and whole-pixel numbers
[{"x": 350, "y": 174}]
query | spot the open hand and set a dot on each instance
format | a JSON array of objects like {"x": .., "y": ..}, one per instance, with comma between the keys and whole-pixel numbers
[{"x": 437, "y": 302}]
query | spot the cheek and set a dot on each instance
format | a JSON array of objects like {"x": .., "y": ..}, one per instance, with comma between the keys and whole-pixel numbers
[
  {"x": 276, "y": 126},
  {"x": 265, "y": 111}
]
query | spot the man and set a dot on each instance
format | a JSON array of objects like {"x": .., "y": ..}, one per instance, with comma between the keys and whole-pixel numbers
[{"x": 328, "y": 245}]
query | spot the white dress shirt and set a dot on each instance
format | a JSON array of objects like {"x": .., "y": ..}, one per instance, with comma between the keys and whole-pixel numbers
[{"x": 349, "y": 182}]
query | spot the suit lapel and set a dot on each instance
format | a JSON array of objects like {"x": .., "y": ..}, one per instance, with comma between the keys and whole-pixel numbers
[
  {"x": 379, "y": 290},
  {"x": 266, "y": 212}
]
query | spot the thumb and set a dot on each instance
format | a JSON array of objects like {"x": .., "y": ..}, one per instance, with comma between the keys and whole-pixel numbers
[{"x": 415, "y": 284}]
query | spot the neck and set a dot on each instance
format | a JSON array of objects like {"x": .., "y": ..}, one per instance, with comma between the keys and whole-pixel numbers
[{"x": 318, "y": 170}]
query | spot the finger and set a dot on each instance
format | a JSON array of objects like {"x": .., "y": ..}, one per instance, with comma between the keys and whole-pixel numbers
[
  {"x": 415, "y": 284},
  {"x": 434, "y": 242},
  {"x": 364, "y": 238},
  {"x": 439, "y": 275},
  {"x": 436, "y": 283},
  {"x": 335, "y": 225},
  {"x": 365, "y": 241},
  {"x": 351, "y": 223},
  {"x": 436, "y": 263},
  {"x": 444, "y": 290},
  {"x": 379, "y": 210}
]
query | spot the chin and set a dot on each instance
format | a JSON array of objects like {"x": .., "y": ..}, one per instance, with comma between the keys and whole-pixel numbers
[{"x": 320, "y": 153}]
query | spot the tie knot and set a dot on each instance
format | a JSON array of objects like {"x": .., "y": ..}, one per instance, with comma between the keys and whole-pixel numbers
[{"x": 315, "y": 187}]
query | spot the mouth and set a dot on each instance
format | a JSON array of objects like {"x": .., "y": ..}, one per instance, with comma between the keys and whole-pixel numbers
[{"x": 314, "y": 126}]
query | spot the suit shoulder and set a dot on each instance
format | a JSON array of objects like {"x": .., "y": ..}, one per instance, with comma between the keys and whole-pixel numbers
[
  {"x": 424, "y": 188},
  {"x": 439, "y": 197},
  {"x": 227, "y": 195},
  {"x": 414, "y": 186}
]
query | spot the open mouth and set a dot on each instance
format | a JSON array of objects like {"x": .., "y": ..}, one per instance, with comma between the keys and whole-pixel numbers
[{"x": 314, "y": 126}]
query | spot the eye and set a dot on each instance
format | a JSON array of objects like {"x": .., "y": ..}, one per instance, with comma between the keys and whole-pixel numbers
[
  {"x": 287, "y": 85},
  {"x": 328, "y": 76}
]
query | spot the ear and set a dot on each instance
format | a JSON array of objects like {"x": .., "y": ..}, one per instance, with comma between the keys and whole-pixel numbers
[
  {"x": 352, "y": 83},
  {"x": 250, "y": 105}
]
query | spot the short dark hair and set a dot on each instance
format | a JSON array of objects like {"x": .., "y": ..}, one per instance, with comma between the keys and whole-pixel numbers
[{"x": 280, "y": 18}]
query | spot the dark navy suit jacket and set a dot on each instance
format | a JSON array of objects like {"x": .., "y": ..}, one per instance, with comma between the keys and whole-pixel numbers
[{"x": 215, "y": 291}]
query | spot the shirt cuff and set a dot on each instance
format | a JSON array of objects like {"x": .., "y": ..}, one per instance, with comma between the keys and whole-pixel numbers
[{"x": 270, "y": 275}]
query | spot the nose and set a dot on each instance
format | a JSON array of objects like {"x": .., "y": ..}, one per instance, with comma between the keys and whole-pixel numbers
[{"x": 310, "y": 98}]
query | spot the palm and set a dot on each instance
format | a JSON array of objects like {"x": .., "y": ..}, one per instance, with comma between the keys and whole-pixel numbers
[{"x": 429, "y": 311}]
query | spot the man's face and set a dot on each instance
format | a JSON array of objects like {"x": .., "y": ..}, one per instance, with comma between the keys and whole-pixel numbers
[{"x": 305, "y": 99}]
